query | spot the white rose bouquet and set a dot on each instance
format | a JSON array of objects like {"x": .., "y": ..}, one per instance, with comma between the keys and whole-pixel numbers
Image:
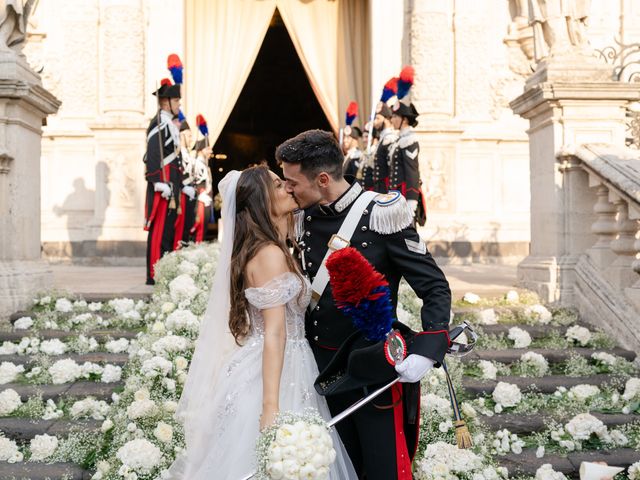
[{"x": 296, "y": 446}]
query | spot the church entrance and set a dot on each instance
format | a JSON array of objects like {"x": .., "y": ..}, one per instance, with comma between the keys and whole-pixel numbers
[{"x": 276, "y": 103}]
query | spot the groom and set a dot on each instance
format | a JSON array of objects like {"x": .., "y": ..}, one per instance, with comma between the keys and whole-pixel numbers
[{"x": 379, "y": 437}]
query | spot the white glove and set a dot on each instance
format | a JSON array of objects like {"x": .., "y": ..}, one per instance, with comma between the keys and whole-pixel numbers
[
  {"x": 189, "y": 191},
  {"x": 204, "y": 198},
  {"x": 163, "y": 188},
  {"x": 413, "y": 204},
  {"x": 413, "y": 368}
]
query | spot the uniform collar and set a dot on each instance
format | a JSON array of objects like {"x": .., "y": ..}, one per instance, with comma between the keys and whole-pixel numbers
[
  {"x": 405, "y": 131},
  {"x": 344, "y": 201},
  {"x": 385, "y": 132}
]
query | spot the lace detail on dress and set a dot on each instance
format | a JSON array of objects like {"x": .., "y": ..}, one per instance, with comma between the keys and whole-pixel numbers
[{"x": 278, "y": 291}]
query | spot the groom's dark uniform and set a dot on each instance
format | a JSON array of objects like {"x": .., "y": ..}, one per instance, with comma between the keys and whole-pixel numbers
[{"x": 381, "y": 438}]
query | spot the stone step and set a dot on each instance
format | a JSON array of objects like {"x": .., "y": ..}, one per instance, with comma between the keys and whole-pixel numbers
[
  {"x": 536, "y": 331},
  {"x": 82, "y": 389},
  {"x": 526, "y": 463},
  {"x": 100, "y": 335},
  {"x": 42, "y": 471},
  {"x": 525, "y": 424},
  {"x": 512, "y": 355},
  {"x": 95, "y": 357},
  {"x": 105, "y": 297},
  {"x": 24, "y": 429},
  {"x": 547, "y": 384}
]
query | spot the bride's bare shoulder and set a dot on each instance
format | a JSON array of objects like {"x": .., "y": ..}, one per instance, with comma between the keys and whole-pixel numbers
[{"x": 268, "y": 263}]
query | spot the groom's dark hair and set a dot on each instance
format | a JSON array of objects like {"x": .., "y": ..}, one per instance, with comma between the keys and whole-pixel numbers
[{"x": 316, "y": 151}]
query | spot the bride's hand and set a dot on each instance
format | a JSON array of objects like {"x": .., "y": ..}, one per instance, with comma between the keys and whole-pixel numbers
[{"x": 268, "y": 416}]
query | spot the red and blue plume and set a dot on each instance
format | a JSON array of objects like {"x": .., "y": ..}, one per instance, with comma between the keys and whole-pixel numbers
[
  {"x": 405, "y": 81},
  {"x": 181, "y": 116},
  {"x": 390, "y": 89},
  {"x": 165, "y": 82},
  {"x": 202, "y": 125},
  {"x": 361, "y": 292},
  {"x": 352, "y": 112},
  {"x": 174, "y": 64}
]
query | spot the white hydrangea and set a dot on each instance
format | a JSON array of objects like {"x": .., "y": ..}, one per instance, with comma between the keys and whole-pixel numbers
[
  {"x": 507, "y": 442},
  {"x": 506, "y": 394},
  {"x": 605, "y": 358},
  {"x": 536, "y": 361},
  {"x": 434, "y": 403},
  {"x": 90, "y": 368},
  {"x": 90, "y": 407},
  {"x": 23, "y": 323},
  {"x": 65, "y": 371},
  {"x": 46, "y": 300},
  {"x": 9, "y": 372},
  {"x": 9, "y": 451},
  {"x": 51, "y": 411},
  {"x": 117, "y": 346},
  {"x": 141, "y": 408},
  {"x": 512, "y": 296},
  {"x": 578, "y": 334},
  {"x": 180, "y": 320},
  {"x": 489, "y": 370},
  {"x": 634, "y": 471},
  {"x": 9, "y": 401},
  {"x": 86, "y": 344},
  {"x": 111, "y": 374},
  {"x": 546, "y": 472},
  {"x": 43, "y": 446},
  {"x": 583, "y": 425},
  {"x": 471, "y": 298},
  {"x": 583, "y": 392},
  {"x": 442, "y": 460},
  {"x": 95, "y": 306},
  {"x": 122, "y": 305},
  {"x": 631, "y": 389},
  {"x": 9, "y": 348},
  {"x": 156, "y": 366},
  {"x": 53, "y": 347},
  {"x": 170, "y": 344},
  {"x": 538, "y": 312},
  {"x": 183, "y": 288},
  {"x": 520, "y": 337},
  {"x": 139, "y": 455},
  {"x": 487, "y": 317},
  {"x": 63, "y": 305},
  {"x": 188, "y": 268}
]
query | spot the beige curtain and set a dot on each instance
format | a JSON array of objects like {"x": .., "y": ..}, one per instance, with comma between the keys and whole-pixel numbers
[
  {"x": 354, "y": 59},
  {"x": 222, "y": 42},
  {"x": 312, "y": 25}
]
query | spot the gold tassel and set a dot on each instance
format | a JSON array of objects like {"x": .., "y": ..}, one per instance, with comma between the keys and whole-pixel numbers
[{"x": 463, "y": 437}]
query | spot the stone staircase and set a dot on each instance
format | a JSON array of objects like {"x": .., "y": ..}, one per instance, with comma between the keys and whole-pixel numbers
[
  {"x": 525, "y": 425},
  {"x": 23, "y": 429}
]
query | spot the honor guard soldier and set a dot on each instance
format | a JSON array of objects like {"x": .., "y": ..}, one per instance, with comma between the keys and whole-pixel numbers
[
  {"x": 353, "y": 155},
  {"x": 367, "y": 165},
  {"x": 163, "y": 175},
  {"x": 185, "y": 221},
  {"x": 388, "y": 137},
  {"x": 404, "y": 171},
  {"x": 381, "y": 437},
  {"x": 202, "y": 181}
]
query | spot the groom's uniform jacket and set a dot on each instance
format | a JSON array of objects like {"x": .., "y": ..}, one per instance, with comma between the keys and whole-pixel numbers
[{"x": 397, "y": 253}]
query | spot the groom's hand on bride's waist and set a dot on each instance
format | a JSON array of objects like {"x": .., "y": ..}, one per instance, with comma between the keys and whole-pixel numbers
[{"x": 413, "y": 368}]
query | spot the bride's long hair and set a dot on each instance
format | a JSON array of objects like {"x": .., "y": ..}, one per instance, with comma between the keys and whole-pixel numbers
[{"x": 254, "y": 229}]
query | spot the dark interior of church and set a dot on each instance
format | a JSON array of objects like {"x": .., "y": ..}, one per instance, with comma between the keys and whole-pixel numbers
[{"x": 276, "y": 103}]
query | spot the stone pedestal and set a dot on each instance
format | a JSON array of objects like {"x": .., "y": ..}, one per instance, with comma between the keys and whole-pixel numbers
[
  {"x": 24, "y": 104},
  {"x": 573, "y": 103}
]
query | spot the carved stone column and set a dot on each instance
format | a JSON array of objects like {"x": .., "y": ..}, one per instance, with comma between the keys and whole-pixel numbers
[
  {"x": 621, "y": 273},
  {"x": 604, "y": 228},
  {"x": 24, "y": 103}
]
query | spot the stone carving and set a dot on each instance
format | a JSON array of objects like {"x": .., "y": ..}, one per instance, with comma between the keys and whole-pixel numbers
[
  {"x": 559, "y": 26},
  {"x": 5, "y": 163},
  {"x": 520, "y": 33},
  {"x": 14, "y": 15}
]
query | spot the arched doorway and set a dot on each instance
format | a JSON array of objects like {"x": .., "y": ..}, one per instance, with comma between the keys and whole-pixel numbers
[{"x": 276, "y": 103}]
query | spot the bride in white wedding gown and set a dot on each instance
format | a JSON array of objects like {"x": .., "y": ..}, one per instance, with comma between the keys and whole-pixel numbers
[{"x": 251, "y": 358}]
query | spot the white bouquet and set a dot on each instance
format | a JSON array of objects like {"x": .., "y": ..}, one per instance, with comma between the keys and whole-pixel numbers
[{"x": 296, "y": 446}]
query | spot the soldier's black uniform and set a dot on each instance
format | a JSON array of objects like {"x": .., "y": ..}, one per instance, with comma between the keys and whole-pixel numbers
[
  {"x": 352, "y": 161},
  {"x": 379, "y": 437},
  {"x": 404, "y": 172},
  {"x": 160, "y": 213},
  {"x": 388, "y": 137}
]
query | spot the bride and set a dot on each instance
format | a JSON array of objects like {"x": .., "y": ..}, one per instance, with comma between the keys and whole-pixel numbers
[{"x": 251, "y": 359}]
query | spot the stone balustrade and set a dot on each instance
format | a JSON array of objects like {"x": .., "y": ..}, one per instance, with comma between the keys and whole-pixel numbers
[{"x": 600, "y": 270}]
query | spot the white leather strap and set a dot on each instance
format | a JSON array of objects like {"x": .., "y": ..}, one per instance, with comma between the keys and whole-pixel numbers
[{"x": 338, "y": 241}]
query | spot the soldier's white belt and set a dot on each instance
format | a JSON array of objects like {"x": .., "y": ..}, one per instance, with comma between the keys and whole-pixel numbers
[{"x": 339, "y": 241}]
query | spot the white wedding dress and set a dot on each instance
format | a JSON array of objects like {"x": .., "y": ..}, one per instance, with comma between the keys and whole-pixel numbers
[{"x": 237, "y": 402}]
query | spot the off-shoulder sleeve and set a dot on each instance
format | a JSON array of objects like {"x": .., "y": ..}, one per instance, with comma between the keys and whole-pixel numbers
[{"x": 276, "y": 292}]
